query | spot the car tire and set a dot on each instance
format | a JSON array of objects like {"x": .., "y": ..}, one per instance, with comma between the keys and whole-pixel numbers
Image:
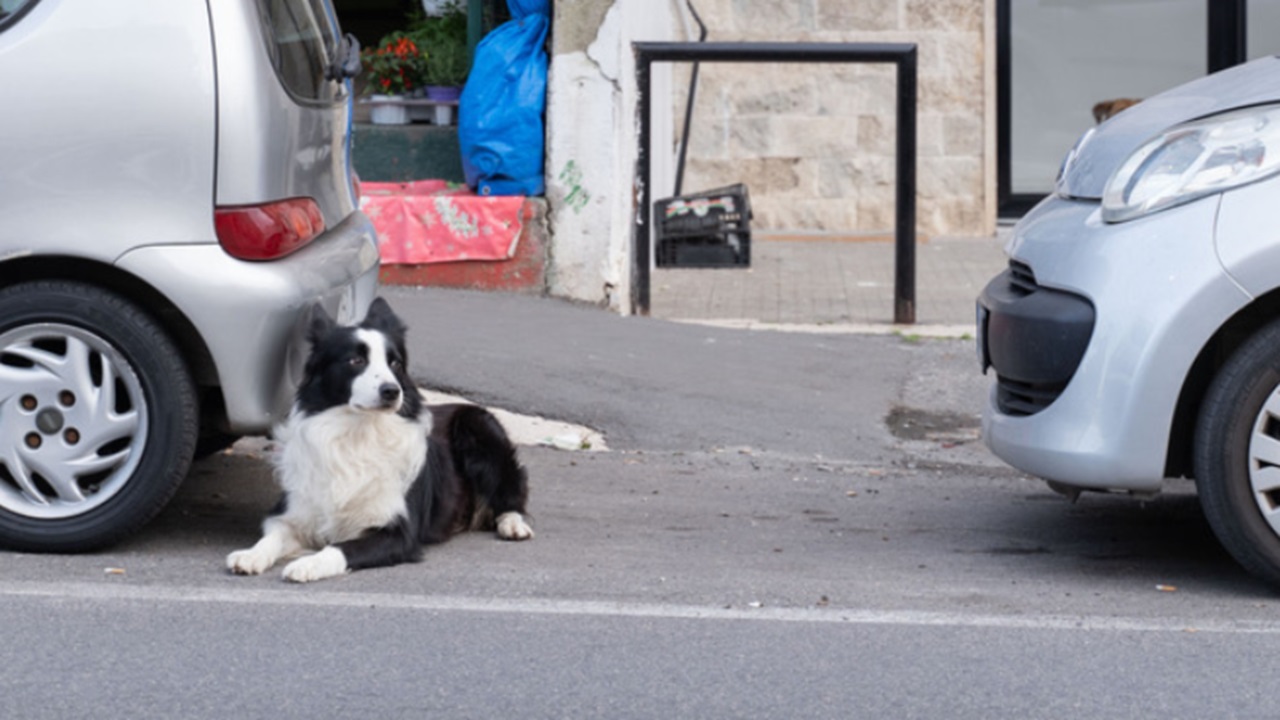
[
  {"x": 98, "y": 417},
  {"x": 1237, "y": 454}
]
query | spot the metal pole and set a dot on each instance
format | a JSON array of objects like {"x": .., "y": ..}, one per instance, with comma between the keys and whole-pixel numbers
[
  {"x": 773, "y": 52},
  {"x": 475, "y": 27},
  {"x": 642, "y": 242},
  {"x": 1228, "y": 39},
  {"x": 688, "y": 108},
  {"x": 688, "y": 122},
  {"x": 904, "y": 305}
]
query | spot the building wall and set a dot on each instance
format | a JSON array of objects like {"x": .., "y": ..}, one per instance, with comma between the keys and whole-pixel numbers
[
  {"x": 592, "y": 142},
  {"x": 815, "y": 143}
]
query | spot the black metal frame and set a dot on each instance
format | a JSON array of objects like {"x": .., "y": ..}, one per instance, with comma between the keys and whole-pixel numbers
[
  {"x": 902, "y": 55},
  {"x": 1226, "y": 27},
  {"x": 1009, "y": 203}
]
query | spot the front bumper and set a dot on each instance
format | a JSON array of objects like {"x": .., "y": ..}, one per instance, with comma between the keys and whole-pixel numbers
[
  {"x": 252, "y": 315},
  {"x": 1157, "y": 292},
  {"x": 1034, "y": 336}
]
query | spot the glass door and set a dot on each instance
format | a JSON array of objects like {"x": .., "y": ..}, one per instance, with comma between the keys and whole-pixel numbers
[
  {"x": 1058, "y": 59},
  {"x": 1262, "y": 30}
]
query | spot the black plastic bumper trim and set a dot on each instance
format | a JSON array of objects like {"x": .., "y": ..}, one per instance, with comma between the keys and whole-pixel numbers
[{"x": 1034, "y": 337}]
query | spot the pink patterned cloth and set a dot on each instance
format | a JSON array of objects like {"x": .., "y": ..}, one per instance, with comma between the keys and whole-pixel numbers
[{"x": 431, "y": 221}]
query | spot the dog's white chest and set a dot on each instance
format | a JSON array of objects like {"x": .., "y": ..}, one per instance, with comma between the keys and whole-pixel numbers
[{"x": 346, "y": 471}]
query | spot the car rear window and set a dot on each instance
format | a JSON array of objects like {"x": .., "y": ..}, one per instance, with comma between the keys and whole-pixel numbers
[{"x": 302, "y": 36}]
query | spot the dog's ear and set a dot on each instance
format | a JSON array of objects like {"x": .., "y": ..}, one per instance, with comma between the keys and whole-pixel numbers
[
  {"x": 318, "y": 324},
  {"x": 382, "y": 317}
]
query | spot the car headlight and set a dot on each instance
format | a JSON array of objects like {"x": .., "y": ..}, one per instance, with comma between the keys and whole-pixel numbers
[{"x": 1195, "y": 159}]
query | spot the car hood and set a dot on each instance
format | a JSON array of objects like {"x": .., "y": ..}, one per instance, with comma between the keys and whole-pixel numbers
[{"x": 1101, "y": 151}]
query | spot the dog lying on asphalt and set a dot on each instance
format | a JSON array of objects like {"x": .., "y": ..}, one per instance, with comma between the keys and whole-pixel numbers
[{"x": 370, "y": 474}]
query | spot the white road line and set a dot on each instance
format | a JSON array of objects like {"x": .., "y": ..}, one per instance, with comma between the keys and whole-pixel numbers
[
  {"x": 432, "y": 603},
  {"x": 961, "y": 331}
]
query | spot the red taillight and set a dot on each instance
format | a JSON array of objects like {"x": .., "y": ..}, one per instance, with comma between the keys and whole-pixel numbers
[{"x": 268, "y": 231}]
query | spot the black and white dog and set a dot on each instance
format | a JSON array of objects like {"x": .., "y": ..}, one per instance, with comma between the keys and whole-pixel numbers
[{"x": 370, "y": 474}]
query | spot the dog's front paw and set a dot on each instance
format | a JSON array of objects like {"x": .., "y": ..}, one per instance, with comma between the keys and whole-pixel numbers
[
  {"x": 249, "y": 562},
  {"x": 511, "y": 526},
  {"x": 327, "y": 563}
]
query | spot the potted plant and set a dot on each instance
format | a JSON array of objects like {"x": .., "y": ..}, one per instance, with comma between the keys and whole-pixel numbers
[
  {"x": 447, "y": 69},
  {"x": 444, "y": 38},
  {"x": 395, "y": 68}
]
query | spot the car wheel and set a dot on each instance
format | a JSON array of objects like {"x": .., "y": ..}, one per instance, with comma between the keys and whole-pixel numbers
[
  {"x": 98, "y": 417},
  {"x": 1237, "y": 454}
]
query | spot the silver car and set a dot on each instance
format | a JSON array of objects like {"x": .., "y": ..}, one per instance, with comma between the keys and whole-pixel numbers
[
  {"x": 1136, "y": 334},
  {"x": 175, "y": 190}
]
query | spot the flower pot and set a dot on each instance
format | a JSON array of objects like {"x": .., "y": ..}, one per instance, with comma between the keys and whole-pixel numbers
[
  {"x": 443, "y": 93},
  {"x": 442, "y": 114},
  {"x": 382, "y": 112}
]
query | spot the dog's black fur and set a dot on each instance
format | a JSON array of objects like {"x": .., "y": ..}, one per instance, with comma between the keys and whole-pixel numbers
[
  {"x": 471, "y": 476},
  {"x": 353, "y": 383}
]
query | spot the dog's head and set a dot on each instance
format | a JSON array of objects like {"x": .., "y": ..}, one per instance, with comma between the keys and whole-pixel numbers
[
  {"x": 1108, "y": 109},
  {"x": 362, "y": 367}
]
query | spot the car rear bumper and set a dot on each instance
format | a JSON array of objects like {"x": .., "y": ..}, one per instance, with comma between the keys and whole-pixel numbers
[
  {"x": 251, "y": 315},
  {"x": 1158, "y": 293}
]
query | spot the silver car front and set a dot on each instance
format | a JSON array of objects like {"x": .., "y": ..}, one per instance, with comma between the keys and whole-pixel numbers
[{"x": 1090, "y": 402}]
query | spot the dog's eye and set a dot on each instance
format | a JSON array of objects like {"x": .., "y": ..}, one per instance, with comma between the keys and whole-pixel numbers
[
  {"x": 397, "y": 365},
  {"x": 356, "y": 361}
]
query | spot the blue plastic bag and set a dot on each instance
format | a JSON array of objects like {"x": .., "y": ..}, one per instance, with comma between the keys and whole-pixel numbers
[{"x": 500, "y": 114}]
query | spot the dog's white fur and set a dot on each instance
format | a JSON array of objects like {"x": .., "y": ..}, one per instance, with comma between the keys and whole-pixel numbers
[
  {"x": 511, "y": 526},
  {"x": 366, "y": 390},
  {"x": 347, "y": 469},
  {"x": 327, "y": 563},
  {"x": 330, "y": 467},
  {"x": 344, "y": 470}
]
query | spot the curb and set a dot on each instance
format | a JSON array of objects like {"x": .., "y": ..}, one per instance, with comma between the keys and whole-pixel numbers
[{"x": 531, "y": 429}]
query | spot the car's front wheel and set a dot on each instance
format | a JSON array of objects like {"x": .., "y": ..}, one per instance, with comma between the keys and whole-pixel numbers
[
  {"x": 1237, "y": 454},
  {"x": 98, "y": 417}
]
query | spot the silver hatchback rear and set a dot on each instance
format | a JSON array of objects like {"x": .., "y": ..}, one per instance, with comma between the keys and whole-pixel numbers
[{"x": 175, "y": 194}]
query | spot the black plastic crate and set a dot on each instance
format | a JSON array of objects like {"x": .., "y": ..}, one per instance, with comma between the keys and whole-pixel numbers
[{"x": 707, "y": 229}]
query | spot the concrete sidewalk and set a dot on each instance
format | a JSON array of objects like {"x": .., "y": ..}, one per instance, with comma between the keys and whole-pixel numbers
[{"x": 838, "y": 283}]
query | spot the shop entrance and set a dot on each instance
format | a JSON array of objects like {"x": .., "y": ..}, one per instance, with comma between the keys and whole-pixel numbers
[{"x": 1058, "y": 60}]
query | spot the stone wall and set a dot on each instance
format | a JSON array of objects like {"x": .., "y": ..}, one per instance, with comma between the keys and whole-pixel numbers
[{"x": 815, "y": 143}]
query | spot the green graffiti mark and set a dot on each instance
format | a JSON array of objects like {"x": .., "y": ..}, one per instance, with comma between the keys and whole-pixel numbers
[{"x": 577, "y": 197}]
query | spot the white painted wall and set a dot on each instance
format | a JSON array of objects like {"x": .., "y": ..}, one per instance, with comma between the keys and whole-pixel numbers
[{"x": 591, "y": 152}]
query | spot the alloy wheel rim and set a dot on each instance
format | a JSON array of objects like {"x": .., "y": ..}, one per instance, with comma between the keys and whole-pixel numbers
[{"x": 73, "y": 421}]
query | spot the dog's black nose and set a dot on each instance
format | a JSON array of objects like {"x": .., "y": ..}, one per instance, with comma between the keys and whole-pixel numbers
[{"x": 390, "y": 392}]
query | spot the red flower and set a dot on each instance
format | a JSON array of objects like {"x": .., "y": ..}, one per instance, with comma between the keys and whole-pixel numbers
[{"x": 395, "y": 65}]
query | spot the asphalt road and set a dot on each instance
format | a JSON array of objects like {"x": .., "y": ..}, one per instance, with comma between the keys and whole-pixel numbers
[{"x": 785, "y": 525}]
